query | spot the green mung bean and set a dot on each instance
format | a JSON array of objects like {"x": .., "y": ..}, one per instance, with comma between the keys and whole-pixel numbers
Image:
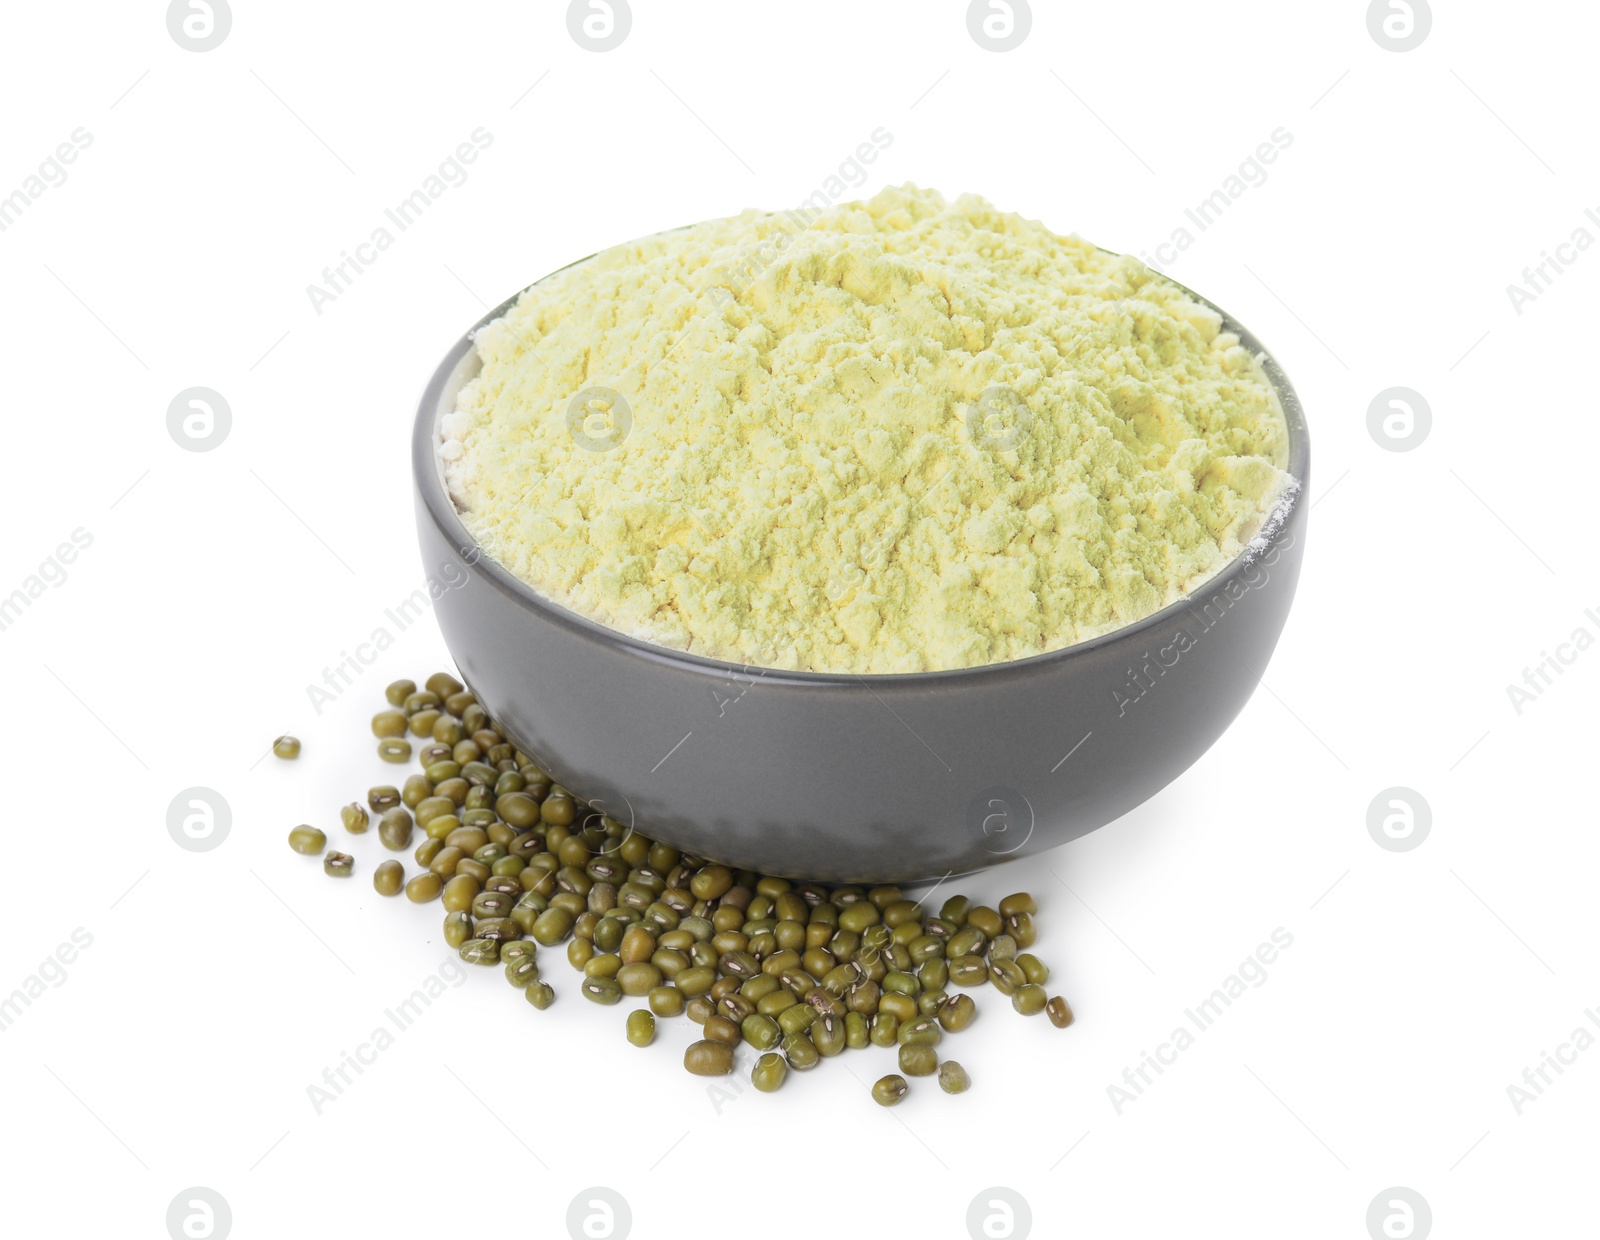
[
  {"x": 392, "y": 749},
  {"x": 770, "y": 1072},
  {"x": 338, "y": 865},
  {"x": 953, "y": 1078},
  {"x": 888, "y": 1090},
  {"x": 641, "y": 1027}
]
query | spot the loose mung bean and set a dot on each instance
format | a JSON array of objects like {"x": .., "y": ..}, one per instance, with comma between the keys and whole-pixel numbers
[
  {"x": 770, "y": 1072},
  {"x": 519, "y": 949},
  {"x": 457, "y": 928},
  {"x": 923, "y": 1031},
  {"x": 957, "y": 1012},
  {"x": 1020, "y": 926},
  {"x": 801, "y": 1052},
  {"x": 708, "y": 1058},
  {"x": 800, "y": 972},
  {"x": 422, "y": 699},
  {"x": 459, "y": 893},
  {"x": 394, "y": 829},
  {"x": 286, "y": 747},
  {"x": 641, "y": 1027},
  {"x": 601, "y": 990},
  {"x": 443, "y": 685},
  {"x": 953, "y": 1078},
  {"x": 720, "y": 1029},
  {"x": 424, "y": 887},
  {"x": 888, "y": 1090},
  {"x": 1006, "y": 977},
  {"x": 638, "y": 979},
  {"x": 762, "y": 1032},
  {"x": 520, "y": 971},
  {"x": 392, "y": 749},
  {"x": 389, "y": 723},
  {"x": 797, "y": 1019},
  {"x": 1021, "y": 902},
  {"x": 416, "y": 790},
  {"x": 700, "y": 1009},
  {"x": 388, "y": 878},
  {"x": 338, "y": 865}
]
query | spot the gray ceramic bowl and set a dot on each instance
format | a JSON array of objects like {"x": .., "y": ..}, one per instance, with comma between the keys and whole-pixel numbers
[{"x": 850, "y": 778}]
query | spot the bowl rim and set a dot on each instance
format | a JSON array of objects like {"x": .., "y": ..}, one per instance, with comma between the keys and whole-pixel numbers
[{"x": 428, "y": 474}]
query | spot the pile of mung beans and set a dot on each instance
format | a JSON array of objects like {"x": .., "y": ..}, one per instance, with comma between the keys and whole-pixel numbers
[{"x": 799, "y": 971}]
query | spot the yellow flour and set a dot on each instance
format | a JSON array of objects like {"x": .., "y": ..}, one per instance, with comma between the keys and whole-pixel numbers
[{"x": 908, "y": 435}]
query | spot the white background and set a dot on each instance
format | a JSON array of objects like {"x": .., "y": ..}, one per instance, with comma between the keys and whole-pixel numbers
[{"x": 219, "y": 985}]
